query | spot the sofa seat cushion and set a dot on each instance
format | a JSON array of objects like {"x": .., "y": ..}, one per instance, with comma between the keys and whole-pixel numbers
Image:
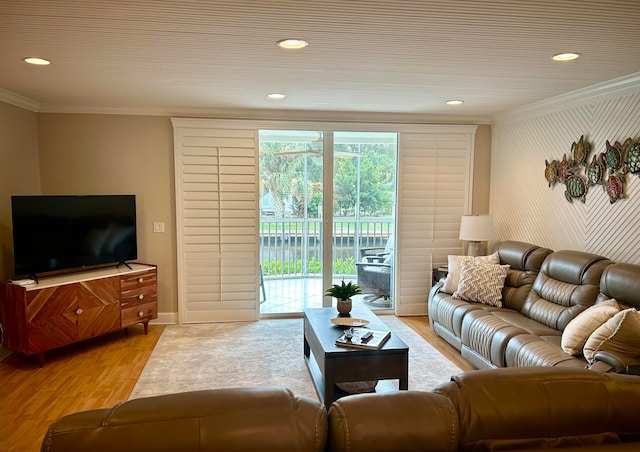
[
  {"x": 529, "y": 350},
  {"x": 519, "y": 320},
  {"x": 487, "y": 335}
]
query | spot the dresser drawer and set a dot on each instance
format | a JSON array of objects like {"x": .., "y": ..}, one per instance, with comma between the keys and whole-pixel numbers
[
  {"x": 137, "y": 314},
  {"x": 138, "y": 289}
]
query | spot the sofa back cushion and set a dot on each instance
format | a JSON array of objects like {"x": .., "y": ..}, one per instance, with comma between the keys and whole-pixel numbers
[
  {"x": 525, "y": 260},
  {"x": 393, "y": 421},
  {"x": 622, "y": 282},
  {"x": 568, "y": 283},
  {"x": 240, "y": 419},
  {"x": 543, "y": 407}
]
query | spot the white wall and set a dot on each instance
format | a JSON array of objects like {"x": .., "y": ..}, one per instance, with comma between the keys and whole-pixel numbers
[{"x": 524, "y": 206}]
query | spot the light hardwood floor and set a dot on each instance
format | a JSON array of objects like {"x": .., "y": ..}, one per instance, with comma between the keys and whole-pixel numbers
[{"x": 97, "y": 373}]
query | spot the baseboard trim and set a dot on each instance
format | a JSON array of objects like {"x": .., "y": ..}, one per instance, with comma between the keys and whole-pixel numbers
[{"x": 166, "y": 318}]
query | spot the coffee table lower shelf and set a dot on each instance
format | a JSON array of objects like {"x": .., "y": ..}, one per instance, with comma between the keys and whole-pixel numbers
[{"x": 318, "y": 382}]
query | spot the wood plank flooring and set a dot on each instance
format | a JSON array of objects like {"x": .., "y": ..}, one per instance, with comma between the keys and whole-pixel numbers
[{"x": 97, "y": 373}]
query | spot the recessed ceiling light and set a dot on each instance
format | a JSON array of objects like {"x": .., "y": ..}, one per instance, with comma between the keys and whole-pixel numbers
[
  {"x": 455, "y": 102},
  {"x": 37, "y": 61},
  {"x": 276, "y": 96},
  {"x": 293, "y": 44},
  {"x": 565, "y": 56}
]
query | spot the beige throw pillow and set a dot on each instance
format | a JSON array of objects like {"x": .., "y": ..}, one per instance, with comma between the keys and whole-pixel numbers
[
  {"x": 620, "y": 334},
  {"x": 579, "y": 329},
  {"x": 481, "y": 282},
  {"x": 455, "y": 265}
]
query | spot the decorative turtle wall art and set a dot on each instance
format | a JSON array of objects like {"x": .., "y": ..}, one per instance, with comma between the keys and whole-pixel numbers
[
  {"x": 579, "y": 151},
  {"x": 551, "y": 172},
  {"x": 576, "y": 188},
  {"x": 632, "y": 156},
  {"x": 595, "y": 172},
  {"x": 608, "y": 168}
]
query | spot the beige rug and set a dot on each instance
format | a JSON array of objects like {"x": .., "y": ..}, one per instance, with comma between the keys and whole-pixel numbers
[{"x": 264, "y": 353}]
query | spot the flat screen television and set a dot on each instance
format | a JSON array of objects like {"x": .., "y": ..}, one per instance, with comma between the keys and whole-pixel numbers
[{"x": 69, "y": 232}]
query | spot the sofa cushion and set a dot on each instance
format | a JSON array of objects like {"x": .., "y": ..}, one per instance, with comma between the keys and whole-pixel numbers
[
  {"x": 529, "y": 350},
  {"x": 568, "y": 283},
  {"x": 622, "y": 282},
  {"x": 620, "y": 334},
  {"x": 455, "y": 266},
  {"x": 481, "y": 282},
  {"x": 575, "y": 335}
]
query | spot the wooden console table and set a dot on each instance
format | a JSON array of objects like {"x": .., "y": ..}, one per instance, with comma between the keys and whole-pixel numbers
[{"x": 64, "y": 309}]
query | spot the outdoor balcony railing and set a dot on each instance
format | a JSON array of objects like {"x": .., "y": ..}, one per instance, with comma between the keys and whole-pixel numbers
[{"x": 292, "y": 247}]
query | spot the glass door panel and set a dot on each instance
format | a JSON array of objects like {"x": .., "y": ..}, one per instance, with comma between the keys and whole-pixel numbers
[
  {"x": 291, "y": 180},
  {"x": 293, "y": 186},
  {"x": 364, "y": 200}
]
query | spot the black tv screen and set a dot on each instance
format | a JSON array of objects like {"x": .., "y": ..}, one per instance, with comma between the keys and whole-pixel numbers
[{"x": 56, "y": 233}]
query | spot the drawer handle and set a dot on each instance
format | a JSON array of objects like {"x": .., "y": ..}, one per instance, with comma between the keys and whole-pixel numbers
[
  {"x": 79, "y": 311},
  {"x": 141, "y": 279},
  {"x": 140, "y": 297},
  {"x": 141, "y": 314}
]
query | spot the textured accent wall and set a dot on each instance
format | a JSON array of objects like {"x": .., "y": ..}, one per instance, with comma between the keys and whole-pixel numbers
[{"x": 526, "y": 209}]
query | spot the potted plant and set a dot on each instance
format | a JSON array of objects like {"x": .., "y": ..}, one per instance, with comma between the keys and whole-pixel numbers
[{"x": 343, "y": 293}]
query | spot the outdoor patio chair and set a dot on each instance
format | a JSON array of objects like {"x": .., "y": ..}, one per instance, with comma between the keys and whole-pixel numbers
[{"x": 374, "y": 277}]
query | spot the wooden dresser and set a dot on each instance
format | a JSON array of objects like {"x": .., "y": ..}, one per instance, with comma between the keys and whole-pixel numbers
[{"x": 63, "y": 309}]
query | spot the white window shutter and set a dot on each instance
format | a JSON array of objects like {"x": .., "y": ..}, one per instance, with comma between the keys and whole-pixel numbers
[
  {"x": 434, "y": 182},
  {"x": 216, "y": 177}
]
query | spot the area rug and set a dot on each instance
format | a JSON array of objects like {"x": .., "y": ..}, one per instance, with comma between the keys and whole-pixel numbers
[{"x": 263, "y": 353}]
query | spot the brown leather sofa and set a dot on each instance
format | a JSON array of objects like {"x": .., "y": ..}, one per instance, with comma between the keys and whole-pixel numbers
[
  {"x": 497, "y": 409},
  {"x": 543, "y": 292},
  {"x": 522, "y": 409},
  {"x": 243, "y": 419},
  {"x": 447, "y": 313}
]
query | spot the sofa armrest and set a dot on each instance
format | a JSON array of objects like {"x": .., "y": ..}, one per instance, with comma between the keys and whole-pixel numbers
[
  {"x": 405, "y": 420},
  {"x": 617, "y": 361}
]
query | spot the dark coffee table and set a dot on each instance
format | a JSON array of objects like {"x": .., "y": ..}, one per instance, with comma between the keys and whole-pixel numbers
[{"x": 329, "y": 364}]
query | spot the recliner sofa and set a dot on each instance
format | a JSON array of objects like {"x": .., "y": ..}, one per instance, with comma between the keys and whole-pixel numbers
[
  {"x": 543, "y": 292},
  {"x": 497, "y": 409}
]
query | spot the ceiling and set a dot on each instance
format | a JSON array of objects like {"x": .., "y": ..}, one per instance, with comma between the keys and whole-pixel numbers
[{"x": 380, "y": 56}]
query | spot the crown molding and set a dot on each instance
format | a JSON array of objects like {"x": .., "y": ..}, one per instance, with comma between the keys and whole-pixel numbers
[
  {"x": 617, "y": 87},
  {"x": 19, "y": 101},
  {"x": 275, "y": 115}
]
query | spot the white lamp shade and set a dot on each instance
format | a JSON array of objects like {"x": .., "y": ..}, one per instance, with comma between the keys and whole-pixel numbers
[{"x": 476, "y": 228}]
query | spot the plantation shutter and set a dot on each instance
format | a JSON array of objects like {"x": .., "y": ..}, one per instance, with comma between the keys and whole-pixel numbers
[
  {"x": 216, "y": 178},
  {"x": 434, "y": 184}
]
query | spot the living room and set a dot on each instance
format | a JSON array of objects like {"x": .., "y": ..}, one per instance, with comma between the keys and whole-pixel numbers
[{"x": 56, "y": 146}]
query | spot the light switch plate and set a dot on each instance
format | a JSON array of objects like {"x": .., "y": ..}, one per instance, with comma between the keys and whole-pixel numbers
[{"x": 158, "y": 226}]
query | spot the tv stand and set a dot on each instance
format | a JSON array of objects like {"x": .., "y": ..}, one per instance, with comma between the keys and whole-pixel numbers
[
  {"x": 68, "y": 308},
  {"x": 125, "y": 264}
]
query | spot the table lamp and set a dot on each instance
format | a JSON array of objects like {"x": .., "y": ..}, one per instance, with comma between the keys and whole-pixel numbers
[{"x": 476, "y": 229}]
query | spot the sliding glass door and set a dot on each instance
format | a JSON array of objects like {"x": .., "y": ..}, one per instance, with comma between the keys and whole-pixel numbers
[{"x": 294, "y": 245}]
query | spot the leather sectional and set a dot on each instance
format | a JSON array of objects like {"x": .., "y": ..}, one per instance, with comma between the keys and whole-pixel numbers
[
  {"x": 497, "y": 409},
  {"x": 543, "y": 292}
]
